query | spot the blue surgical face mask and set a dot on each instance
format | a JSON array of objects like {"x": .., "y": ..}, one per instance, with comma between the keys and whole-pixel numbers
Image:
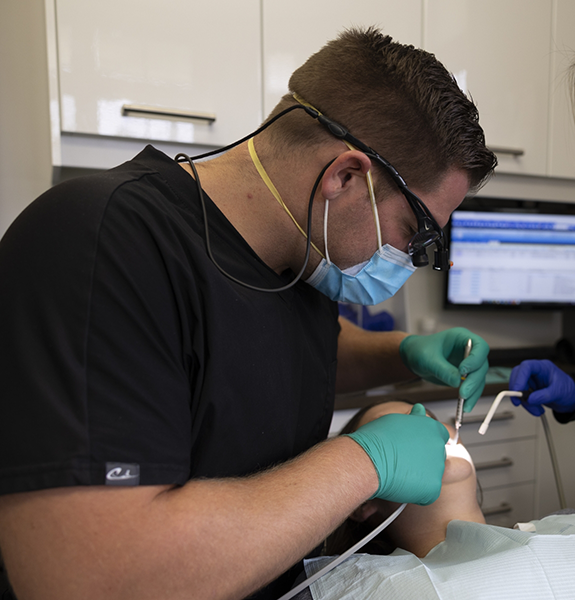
[{"x": 368, "y": 283}]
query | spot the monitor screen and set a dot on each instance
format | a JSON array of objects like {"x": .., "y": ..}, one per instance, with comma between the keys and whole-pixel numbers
[{"x": 511, "y": 254}]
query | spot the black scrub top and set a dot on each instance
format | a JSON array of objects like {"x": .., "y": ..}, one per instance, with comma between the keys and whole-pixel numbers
[{"x": 127, "y": 357}]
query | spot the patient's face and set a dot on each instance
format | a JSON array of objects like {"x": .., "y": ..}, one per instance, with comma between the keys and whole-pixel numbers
[{"x": 458, "y": 463}]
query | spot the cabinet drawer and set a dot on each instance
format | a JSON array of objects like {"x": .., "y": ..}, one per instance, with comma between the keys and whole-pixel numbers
[
  {"x": 504, "y": 463},
  {"x": 507, "y": 505}
]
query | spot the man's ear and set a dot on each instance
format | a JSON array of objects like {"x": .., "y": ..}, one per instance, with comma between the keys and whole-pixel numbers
[
  {"x": 346, "y": 171},
  {"x": 363, "y": 512}
]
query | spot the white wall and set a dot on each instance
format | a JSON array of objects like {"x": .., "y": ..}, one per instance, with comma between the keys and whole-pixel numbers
[{"x": 25, "y": 169}]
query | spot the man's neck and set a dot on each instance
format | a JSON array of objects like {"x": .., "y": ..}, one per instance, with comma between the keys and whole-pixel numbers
[{"x": 234, "y": 185}]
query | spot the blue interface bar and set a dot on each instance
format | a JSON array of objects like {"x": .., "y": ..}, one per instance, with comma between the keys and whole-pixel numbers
[
  {"x": 560, "y": 225},
  {"x": 511, "y": 236}
]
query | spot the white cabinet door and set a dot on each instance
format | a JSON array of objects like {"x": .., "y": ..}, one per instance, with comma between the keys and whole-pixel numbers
[
  {"x": 201, "y": 58},
  {"x": 294, "y": 30},
  {"x": 499, "y": 52},
  {"x": 562, "y": 121}
]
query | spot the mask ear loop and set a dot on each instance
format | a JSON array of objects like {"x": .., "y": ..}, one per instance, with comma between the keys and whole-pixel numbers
[
  {"x": 374, "y": 207},
  {"x": 326, "y": 209},
  {"x": 368, "y": 176},
  {"x": 371, "y": 191}
]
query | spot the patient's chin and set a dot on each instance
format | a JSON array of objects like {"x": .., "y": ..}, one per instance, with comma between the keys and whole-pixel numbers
[{"x": 458, "y": 464}]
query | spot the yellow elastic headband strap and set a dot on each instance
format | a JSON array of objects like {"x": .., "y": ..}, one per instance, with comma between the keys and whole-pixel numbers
[
  {"x": 304, "y": 103},
  {"x": 272, "y": 188}
]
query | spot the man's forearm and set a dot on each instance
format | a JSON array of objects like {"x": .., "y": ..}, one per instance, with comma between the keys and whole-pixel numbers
[
  {"x": 368, "y": 359},
  {"x": 207, "y": 539},
  {"x": 282, "y": 515}
]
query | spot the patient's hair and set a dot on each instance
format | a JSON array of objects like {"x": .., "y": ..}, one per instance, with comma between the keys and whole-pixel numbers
[{"x": 397, "y": 99}]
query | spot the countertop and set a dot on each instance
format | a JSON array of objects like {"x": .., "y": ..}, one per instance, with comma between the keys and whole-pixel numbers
[
  {"x": 413, "y": 391},
  {"x": 418, "y": 390}
]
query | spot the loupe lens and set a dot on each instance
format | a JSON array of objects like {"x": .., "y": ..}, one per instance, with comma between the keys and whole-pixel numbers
[{"x": 421, "y": 240}]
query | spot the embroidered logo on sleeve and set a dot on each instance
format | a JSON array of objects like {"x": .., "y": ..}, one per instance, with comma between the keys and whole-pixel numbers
[{"x": 122, "y": 474}]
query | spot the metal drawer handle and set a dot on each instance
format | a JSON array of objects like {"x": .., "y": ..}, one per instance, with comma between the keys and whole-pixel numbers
[
  {"x": 495, "y": 464},
  {"x": 503, "y": 508},
  {"x": 141, "y": 110},
  {"x": 510, "y": 151},
  {"x": 470, "y": 420}
]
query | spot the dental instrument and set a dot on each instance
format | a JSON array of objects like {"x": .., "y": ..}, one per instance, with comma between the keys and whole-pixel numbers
[
  {"x": 524, "y": 395},
  {"x": 460, "y": 401},
  {"x": 485, "y": 425},
  {"x": 336, "y": 561}
]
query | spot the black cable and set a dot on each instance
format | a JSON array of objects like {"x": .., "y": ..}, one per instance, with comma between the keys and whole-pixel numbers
[
  {"x": 207, "y": 233},
  {"x": 244, "y": 139},
  {"x": 338, "y": 131}
]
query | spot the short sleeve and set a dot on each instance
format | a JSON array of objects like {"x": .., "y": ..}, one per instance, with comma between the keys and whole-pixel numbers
[{"x": 91, "y": 355}]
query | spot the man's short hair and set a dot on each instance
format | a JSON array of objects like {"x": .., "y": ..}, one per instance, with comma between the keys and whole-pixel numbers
[{"x": 396, "y": 98}]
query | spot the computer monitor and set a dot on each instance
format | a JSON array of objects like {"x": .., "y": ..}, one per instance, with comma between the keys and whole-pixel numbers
[{"x": 511, "y": 254}]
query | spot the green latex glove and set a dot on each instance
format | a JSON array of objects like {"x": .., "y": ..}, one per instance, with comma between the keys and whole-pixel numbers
[
  {"x": 438, "y": 358},
  {"x": 408, "y": 453}
]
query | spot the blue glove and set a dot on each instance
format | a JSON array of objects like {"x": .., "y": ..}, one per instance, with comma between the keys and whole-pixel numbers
[
  {"x": 438, "y": 358},
  {"x": 408, "y": 453},
  {"x": 553, "y": 387}
]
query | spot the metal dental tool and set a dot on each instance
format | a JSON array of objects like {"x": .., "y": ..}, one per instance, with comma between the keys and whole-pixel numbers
[{"x": 459, "y": 411}]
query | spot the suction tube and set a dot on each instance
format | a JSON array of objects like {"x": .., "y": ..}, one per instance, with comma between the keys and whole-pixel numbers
[{"x": 338, "y": 560}]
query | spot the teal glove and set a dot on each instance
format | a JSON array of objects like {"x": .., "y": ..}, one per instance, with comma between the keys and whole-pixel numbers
[
  {"x": 438, "y": 358},
  {"x": 408, "y": 453}
]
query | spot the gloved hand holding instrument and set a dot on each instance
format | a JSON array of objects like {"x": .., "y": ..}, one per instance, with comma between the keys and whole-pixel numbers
[
  {"x": 440, "y": 358},
  {"x": 535, "y": 384},
  {"x": 551, "y": 387}
]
